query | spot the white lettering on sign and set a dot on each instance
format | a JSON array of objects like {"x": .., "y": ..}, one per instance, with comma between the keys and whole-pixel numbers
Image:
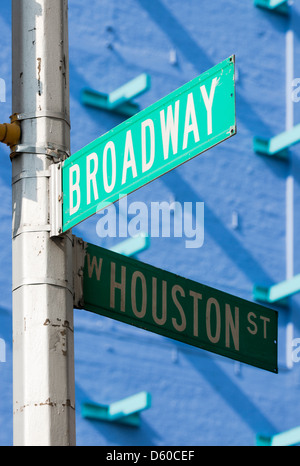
[
  {"x": 255, "y": 327},
  {"x": 122, "y": 165},
  {"x": 170, "y": 129},
  {"x": 108, "y": 187},
  {"x": 138, "y": 276},
  {"x": 164, "y": 304},
  {"x": 74, "y": 188},
  {"x": 91, "y": 176},
  {"x": 94, "y": 265},
  {"x": 212, "y": 302},
  {"x": 159, "y": 320},
  {"x": 209, "y": 102},
  {"x": 191, "y": 124},
  {"x": 196, "y": 297},
  {"x": 180, "y": 327},
  {"x": 232, "y": 327},
  {"x": 115, "y": 285},
  {"x": 265, "y": 320},
  {"x": 129, "y": 160},
  {"x": 146, "y": 165}
]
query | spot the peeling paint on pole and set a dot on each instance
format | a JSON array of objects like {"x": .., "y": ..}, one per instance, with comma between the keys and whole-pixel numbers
[{"x": 43, "y": 336}]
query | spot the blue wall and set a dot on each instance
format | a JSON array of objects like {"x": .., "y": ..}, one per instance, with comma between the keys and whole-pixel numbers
[{"x": 197, "y": 398}]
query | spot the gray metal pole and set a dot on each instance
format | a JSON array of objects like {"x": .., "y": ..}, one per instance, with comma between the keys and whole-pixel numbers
[{"x": 43, "y": 337}]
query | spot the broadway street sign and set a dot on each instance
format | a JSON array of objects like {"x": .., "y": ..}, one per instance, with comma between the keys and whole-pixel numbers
[
  {"x": 175, "y": 129},
  {"x": 138, "y": 294}
]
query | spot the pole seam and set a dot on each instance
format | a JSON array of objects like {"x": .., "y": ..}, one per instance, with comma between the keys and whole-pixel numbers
[{"x": 36, "y": 282}]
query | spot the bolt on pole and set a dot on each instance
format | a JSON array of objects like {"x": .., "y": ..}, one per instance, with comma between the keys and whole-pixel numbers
[{"x": 43, "y": 334}]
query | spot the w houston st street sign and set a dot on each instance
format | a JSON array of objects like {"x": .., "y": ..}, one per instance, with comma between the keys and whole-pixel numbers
[{"x": 124, "y": 289}]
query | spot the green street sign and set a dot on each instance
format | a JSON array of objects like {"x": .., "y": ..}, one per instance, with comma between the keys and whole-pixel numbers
[
  {"x": 138, "y": 294},
  {"x": 172, "y": 131}
]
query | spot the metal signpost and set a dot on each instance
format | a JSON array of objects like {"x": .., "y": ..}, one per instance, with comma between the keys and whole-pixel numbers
[
  {"x": 52, "y": 192},
  {"x": 138, "y": 294},
  {"x": 42, "y": 289},
  {"x": 175, "y": 129}
]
